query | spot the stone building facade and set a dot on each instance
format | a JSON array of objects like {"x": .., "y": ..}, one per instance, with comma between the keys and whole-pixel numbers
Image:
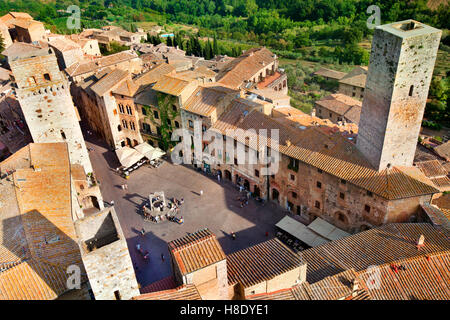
[
  {"x": 105, "y": 256},
  {"x": 44, "y": 96},
  {"x": 401, "y": 66}
]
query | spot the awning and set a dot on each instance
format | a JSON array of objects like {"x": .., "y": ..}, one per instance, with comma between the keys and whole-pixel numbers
[
  {"x": 128, "y": 156},
  {"x": 327, "y": 230},
  {"x": 301, "y": 232},
  {"x": 148, "y": 151}
]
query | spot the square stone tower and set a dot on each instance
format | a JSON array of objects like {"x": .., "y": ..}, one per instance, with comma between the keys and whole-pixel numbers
[
  {"x": 401, "y": 66},
  {"x": 44, "y": 96}
]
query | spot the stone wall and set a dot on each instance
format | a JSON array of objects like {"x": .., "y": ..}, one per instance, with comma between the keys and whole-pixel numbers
[
  {"x": 400, "y": 71},
  {"x": 44, "y": 96}
]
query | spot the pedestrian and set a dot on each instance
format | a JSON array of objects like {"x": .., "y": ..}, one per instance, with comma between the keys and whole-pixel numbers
[
  {"x": 201, "y": 192},
  {"x": 112, "y": 203},
  {"x": 143, "y": 232},
  {"x": 218, "y": 177},
  {"x": 162, "y": 257},
  {"x": 233, "y": 235},
  {"x": 123, "y": 187}
]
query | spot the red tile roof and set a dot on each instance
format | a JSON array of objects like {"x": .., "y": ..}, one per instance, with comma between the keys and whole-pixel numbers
[
  {"x": 245, "y": 67},
  {"x": 260, "y": 263},
  {"x": 196, "y": 251},
  {"x": 185, "y": 292}
]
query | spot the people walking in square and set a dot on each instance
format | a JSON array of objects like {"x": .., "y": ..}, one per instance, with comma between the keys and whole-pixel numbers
[{"x": 233, "y": 235}]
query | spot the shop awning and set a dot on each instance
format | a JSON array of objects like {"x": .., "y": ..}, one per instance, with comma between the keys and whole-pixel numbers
[
  {"x": 301, "y": 232},
  {"x": 327, "y": 230},
  {"x": 148, "y": 151},
  {"x": 128, "y": 156}
]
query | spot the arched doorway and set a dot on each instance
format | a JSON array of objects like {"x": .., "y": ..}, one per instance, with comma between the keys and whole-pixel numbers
[
  {"x": 247, "y": 185},
  {"x": 228, "y": 175},
  {"x": 275, "y": 195},
  {"x": 341, "y": 218},
  {"x": 256, "y": 191},
  {"x": 129, "y": 142}
]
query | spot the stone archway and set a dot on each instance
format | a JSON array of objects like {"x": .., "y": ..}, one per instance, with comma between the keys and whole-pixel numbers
[
  {"x": 275, "y": 195},
  {"x": 228, "y": 175},
  {"x": 247, "y": 185},
  {"x": 341, "y": 218},
  {"x": 256, "y": 191}
]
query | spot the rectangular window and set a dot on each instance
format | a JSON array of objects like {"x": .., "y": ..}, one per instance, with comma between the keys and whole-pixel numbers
[
  {"x": 256, "y": 173},
  {"x": 235, "y": 161},
  {"x": 319, "y": 170},
  {"x": 294, "y": 195},
  {"x": 47, "y": 77},
  {"x": 367, "y": 208},
  {"x": 342, "y": 195},
  {"x": 292, "y": 177},
  {"x": 191, "y": 124},
  {"x": 156, "y": 114},
  {"x": 369, "y": 193},
  {"x": 144, "y": 112},
  {"x": 343, "y": 181},
  {"x": 319, "y": 184},
  {"x": 117, "y": 295},
  {"x": 317, "y": 204}
]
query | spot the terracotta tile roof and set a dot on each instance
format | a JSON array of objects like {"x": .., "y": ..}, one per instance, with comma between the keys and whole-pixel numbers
[
  {"x": 436, "y": 215},
  {"x": 80, "y": 68},
  {"x": 20, "y": 49},
  {"x": 342, "y": 105},
  {"x": 424, "y": 277},
  {"x": 109, "y": 81},
  {"x": 333, "y": 74},
  {"x": 172, "y": 84},
  {"x": 41, "y": 236},
  {"x": 357, "y": 77},
  {"x": 127, "y": 88},
  {"x": 260, "y": 263},
  {"x": 434, "y": 170},
  {"x": 443, "y": 150},
  {"x": 64, "y": 44},
  {"x": 26, "y": 23},
  {"x": 245, "y": 66},
  {"x": 196, "y": 251},
  {"x": 77, "y": 172},
  {"x": 161, "y": 285},
  {"x": 377, "y": 246},
  {"x": 154, "y": 74},
  {"x": 206, "y": 99},
  {"x": 185, "y": 292},
  {"x": 285, "y": 294}
]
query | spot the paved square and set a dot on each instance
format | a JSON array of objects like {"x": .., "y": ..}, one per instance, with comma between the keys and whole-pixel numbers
[{"x": 217, "y": 209}]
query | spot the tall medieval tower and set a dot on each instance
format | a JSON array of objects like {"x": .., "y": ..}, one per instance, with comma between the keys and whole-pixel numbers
[
  {"x": 44, "y": 96},
  {"x": 401, "y": 66}
]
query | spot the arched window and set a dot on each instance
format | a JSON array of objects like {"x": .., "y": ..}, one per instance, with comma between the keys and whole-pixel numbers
[
  {"x": 119, "y": 127},
  {"x": 125, "y": 124}
]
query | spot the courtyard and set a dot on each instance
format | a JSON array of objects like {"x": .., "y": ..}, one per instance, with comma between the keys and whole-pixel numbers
[{"x": 217, "y": 209}]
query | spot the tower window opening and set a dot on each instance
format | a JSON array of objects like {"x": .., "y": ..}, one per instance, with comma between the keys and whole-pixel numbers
[
  {"x": 411, "y": 90},
  {"x": 63, "y": 135}
]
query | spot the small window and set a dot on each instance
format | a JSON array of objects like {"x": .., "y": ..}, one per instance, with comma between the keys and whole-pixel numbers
[
  {"x": 294, "y": 195},
  {"x": 117, "y": 295},
  {"x": 343, "y": 181},
  {"x": 342, "y": 195},
  {"x": 411, "y": 91},
  {"x": 256, "y": 173},
  {"x": 191, "y": 124},
  {"x": 369, "y": 193},
  {"x": 174, "y": 108},
  {"x": 144, "y": 112},
  {"x": 367, "y": 208},
  {"x": 235, "y": 161},
  {"x": 317, "y": 205},
  {"x": 47, "y": 77},
  {"x": 319, "y": 170},
  {"x": 63, "y": 135},
  {"x": 319, "y": 184},
  {"x": 119, "y": 128},
  {"x": 156, "y": 114},
  {"x": 177, "y": 125},
  {"x": 292, "y": 177}
]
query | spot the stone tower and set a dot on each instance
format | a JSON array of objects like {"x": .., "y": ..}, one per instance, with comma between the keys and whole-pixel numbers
[
  {"x": 44, "y": 96},
  {"x": 401, "y": 66},
  {"x": 105, "y": 256}
]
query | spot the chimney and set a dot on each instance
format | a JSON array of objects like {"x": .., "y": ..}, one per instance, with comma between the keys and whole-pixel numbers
[
  {"x": 421, "y": 241},
  {"x": 355, "y": 287}
]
